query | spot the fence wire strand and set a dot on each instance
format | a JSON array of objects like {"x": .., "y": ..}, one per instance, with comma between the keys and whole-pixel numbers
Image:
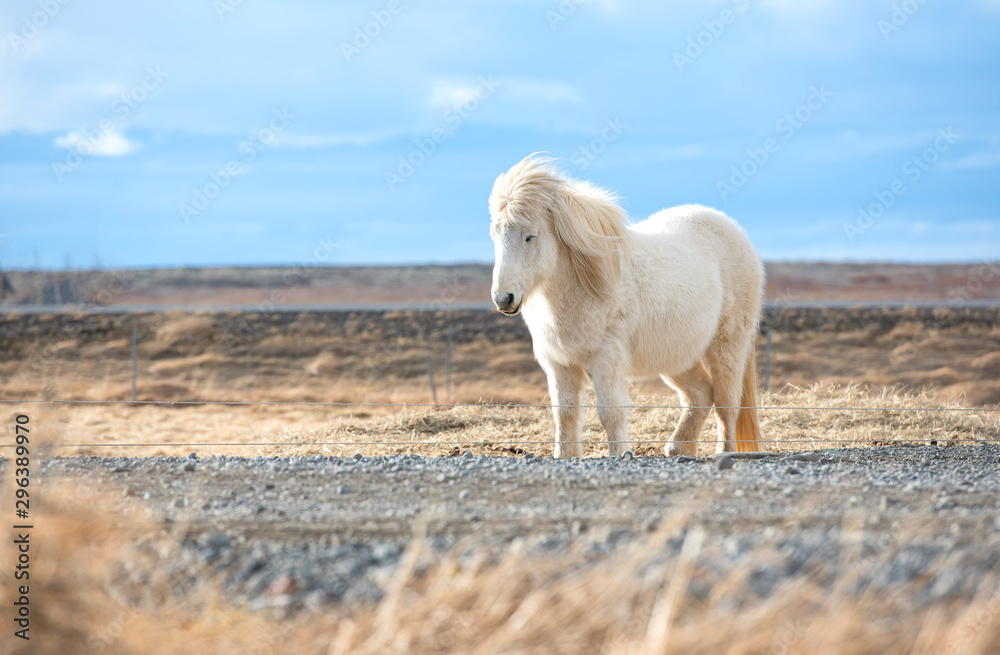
[
  {"x": 295, "y": 403},
  {"x": 520, "y": 443}
]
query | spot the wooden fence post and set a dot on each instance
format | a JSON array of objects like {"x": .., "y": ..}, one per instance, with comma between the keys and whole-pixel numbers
[
  {"x": 767, "y": 361},
  {"x": 135, "y": 358},
  {"x": 430, "y": 374},
  {"x": 448, "y": 364}
]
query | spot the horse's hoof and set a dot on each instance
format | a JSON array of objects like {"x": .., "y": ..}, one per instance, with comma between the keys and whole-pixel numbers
[
  {"x": 565, "y": 453},
  {"x": 675, "y": 450},
  {"x": 727, "y": 447}
]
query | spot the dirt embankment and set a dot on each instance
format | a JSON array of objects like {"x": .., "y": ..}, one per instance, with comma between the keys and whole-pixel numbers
[
  {"x": 234, "y": 329},
  {"x": 315, "y": 282}
]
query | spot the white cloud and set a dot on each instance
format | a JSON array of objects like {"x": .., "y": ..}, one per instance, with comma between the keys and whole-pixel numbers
[
  {"x": 983, "y": 227},
  {"x": 449, "y": 92},
  {"x": 690, "y": 151},
  {"x": 650, "y": 151},
  {"x": 608, "y": 6},
  {"x": 110, "y": 90},
  {"x": 547, "y": 92},
  {"x": 108, "y": 144},
  {"x": 975, "y": 160},
  {"x": 852, "y": 144},
  {"x": 802, "y": 8},
  {"x": 334, "y": 140}
]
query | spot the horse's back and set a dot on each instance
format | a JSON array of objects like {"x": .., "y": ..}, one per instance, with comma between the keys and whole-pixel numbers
[
  {"x": 713, "y": 234},
  {"x": 693, "y": 221}
]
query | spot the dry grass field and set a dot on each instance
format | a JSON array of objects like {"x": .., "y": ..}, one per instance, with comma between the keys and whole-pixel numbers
[
  {"x": 350, "y": 369},
  {"x": 853, "y": 416}
]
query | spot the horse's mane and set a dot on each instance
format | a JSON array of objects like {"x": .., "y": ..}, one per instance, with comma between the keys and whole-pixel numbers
[{"x": 586, "y": 219}]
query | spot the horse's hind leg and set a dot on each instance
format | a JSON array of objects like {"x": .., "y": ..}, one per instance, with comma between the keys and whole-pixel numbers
[
  {"x": 694, "y": 387},
  {"x": 727, "y": 358}
]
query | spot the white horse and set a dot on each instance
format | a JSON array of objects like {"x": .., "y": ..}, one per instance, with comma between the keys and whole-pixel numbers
[{"x": 677, "y": 295}]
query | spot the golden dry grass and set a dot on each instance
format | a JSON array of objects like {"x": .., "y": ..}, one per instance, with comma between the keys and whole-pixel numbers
[
  {"x": 796, "y": 419},
  {"x": 637, "y": 604},
  {"x": 197, "y": 357},
  {"x": 186, "y": 357}
]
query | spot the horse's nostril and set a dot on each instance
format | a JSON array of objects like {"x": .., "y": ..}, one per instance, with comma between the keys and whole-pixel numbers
[{"x": 509, "y": 300}]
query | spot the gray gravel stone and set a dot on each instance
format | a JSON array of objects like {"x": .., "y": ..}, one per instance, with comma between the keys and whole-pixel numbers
[{"x": 923, "y": 516}]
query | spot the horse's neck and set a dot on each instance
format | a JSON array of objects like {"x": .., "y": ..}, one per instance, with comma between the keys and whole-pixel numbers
[{"x": 564, "y": 297}]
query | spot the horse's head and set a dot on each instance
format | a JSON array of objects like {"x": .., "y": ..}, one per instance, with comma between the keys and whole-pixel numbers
[
  {"x": 537, "y": 218},
  {"x": 526, "y": 249}
]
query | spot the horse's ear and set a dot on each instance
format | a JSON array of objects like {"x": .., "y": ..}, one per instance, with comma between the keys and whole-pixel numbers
[{"x": 592, "y": 226}]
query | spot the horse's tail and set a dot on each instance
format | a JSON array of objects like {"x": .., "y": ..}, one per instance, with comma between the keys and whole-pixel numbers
[{"x": 747, "y": 423}]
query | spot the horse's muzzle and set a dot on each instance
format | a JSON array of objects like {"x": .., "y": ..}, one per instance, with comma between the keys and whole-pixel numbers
[{"x": 505, "y": 303}]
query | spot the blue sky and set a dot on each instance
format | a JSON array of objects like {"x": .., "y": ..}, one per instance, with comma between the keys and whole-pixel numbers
[{"x": 262, "y": 132}]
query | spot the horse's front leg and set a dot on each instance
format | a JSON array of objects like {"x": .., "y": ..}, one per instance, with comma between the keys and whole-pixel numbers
[
  {"x": 565, "y": 383},
  {"x": 611, "y": 387}
]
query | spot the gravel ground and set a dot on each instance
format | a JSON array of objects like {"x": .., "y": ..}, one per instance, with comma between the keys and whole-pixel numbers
[{"x": 310, "y": 531}]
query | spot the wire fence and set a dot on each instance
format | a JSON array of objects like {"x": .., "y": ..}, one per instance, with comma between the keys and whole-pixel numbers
[
  {"x": 457, "y": 443},
  {"x": 519, "y": 442},
  {"x": 295, "y": 403}
]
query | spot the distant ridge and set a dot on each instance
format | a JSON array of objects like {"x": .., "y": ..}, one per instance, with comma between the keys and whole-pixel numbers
[{"x": 457, "y": 283}]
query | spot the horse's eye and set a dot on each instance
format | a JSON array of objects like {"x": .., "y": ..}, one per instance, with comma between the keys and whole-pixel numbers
[{"x": 531, "y": 237}]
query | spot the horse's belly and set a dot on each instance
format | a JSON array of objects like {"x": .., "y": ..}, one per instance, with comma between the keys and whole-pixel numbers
[{"x": 670, "y": 349}]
